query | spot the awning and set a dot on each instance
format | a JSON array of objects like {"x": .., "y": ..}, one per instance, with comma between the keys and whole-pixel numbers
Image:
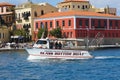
[{"x": 20, "y": 37}]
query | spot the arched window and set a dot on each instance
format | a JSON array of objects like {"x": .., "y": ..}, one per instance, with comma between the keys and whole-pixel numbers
[
  {"x": 73, "y": 6},
  {"x": 35, "y": 14},
  {"x": 83, "y": 7},
  {"x": 42, "y": 12}
]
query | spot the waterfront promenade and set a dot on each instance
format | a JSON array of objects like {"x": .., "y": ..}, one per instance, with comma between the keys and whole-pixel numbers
[
  {"x": 16, "y": 47},
  {"x": 22, "y": 47}
]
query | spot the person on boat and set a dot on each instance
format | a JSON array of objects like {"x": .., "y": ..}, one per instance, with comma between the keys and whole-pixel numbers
[
  {"x": 56, "y": 45},
  {"x": 51, "y": 45},
  {"x": 59, "y": 45}
]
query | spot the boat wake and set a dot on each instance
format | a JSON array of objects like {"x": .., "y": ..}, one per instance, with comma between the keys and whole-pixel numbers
[{"x": 107, "y": 57}]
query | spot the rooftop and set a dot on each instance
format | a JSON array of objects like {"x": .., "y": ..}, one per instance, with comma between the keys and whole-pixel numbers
[
  {"x": 77, "y": 13},
  {"x": 74, "y": 0},
  {"x": 6, "y": 4},
  {"x": 66, "y": 1}
]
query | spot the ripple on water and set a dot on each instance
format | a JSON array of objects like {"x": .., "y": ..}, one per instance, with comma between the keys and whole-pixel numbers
[{"x": 105, "y": 66}]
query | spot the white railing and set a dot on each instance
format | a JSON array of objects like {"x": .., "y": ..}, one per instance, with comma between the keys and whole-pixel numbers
[{"x": 97, "y": 40}]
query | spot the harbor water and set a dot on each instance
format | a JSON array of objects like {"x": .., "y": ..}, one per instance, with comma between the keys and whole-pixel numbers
[{"x": 104, "y": 66}]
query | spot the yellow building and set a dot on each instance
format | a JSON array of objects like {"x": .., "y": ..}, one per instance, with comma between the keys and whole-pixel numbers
[
  {"x": 4, "y": 34},
  {"x": 68, "y": 5},
  {"x": 25, "y": 14},
  {"x": 7, "y": 20},
  {"x": 83, "y": 5}
]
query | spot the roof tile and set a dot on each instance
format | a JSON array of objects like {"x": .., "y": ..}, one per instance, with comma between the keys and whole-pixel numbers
[
  {"x": 6, "y": 4},
  {"x": 77, "y": 13}
]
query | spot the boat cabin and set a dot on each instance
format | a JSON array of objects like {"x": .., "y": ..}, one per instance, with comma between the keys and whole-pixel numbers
[{"x": 43, "y": 43}]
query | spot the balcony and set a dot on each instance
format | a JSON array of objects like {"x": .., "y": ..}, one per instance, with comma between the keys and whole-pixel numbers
[
  {"x": 18, "y": 20},
  {"x": 26, "y": 16},
  {"x": 100, "y": 28}
]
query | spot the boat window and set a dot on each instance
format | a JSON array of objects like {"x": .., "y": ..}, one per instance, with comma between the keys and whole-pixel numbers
[
  {"x": 76, "y": 54},
  {"x": 82, "y": 53},
  {"x": 41, "y": 52},
  {"x": 41, "y": 42}
]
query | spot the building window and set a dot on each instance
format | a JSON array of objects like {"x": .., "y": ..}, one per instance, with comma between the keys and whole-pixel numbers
[
  {"x": 116, "y": 24},
  {"x": 71, "y": 34},
  {"x": 0, "y": 36},
  {"x": 36, "y": 25},
  {"x": 80, "y": 22},
  {"x": 63, "y": 23},
  {"x": 69, "y": 23},
  {"x": 109, "y": 34},
  {"x": 116, "y": 34},
  {"x": 111, "y": 24},
  {"x": 93, "y": 22},
  {"x": 112, "y": 35},
  {"x": 86, "y": 23},
  {"x": 105, "y": 23},
  {"x": 51, "y": 24},
  {"x": 41, "y": 25},
  {"x": 99, "y": 23},
  {"x": 46, "y": 25},
  {"x": 29, "y": 13},
  {"x": 67, "y": 34},
  {"x": 29, "y": 25},
  {"x": 57, "y": 23},
  {"x": 3, "y": 35},
  {"x": 19, "y": 15},
  {"x": 42, "y": 12},
  {"x": 73, "y": 6},
  {"x": 78, "y": 6},
  {"x": 83, "y": 7},
  {"x": 1, "y": 9},
  {"x": 35, "y": 14},
  {"x": 86, "y": 6},
  {"x": 69, "y": 6}
]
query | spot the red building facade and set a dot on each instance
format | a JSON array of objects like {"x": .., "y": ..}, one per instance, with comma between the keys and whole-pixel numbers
[{"x": 79, "y": 25}]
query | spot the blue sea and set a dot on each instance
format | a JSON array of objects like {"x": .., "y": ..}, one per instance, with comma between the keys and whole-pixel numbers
[{"x": 104, "y": 66}]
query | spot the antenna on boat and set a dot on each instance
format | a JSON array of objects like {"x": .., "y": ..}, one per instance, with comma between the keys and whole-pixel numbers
[{"x": 43, "y": 35}]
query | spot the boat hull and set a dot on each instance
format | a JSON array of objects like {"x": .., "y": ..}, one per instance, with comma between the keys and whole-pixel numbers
[{"x": 56, "y": 54}]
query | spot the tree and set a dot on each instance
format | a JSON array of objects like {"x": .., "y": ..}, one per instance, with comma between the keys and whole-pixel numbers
[
  {"x": 42, "y": 31},
  {"x": 56, "y": 32},
  {"x": 19, "y": 32}
]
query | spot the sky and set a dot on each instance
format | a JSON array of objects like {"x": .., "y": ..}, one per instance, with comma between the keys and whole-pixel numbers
[{"x": 96, "y": 3}]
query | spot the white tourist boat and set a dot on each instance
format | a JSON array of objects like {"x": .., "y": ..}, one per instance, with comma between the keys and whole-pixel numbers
[{"x": 41, "y": 50}]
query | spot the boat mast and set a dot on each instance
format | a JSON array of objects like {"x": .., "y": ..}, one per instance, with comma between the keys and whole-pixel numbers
[{"x": 87, "y": 41}]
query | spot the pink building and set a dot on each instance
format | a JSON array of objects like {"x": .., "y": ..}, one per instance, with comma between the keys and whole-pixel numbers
[{"x": 81, "y": 24}]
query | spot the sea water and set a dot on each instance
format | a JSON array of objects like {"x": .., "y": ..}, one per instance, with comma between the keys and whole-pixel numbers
[{"x": 104, "y": 66}]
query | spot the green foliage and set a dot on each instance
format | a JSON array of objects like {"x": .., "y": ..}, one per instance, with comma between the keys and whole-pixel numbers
[
  {"x": 41, "y": 31},
  {"x": 56, "y": 32},
  {"x": 19, "y": 32}
]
